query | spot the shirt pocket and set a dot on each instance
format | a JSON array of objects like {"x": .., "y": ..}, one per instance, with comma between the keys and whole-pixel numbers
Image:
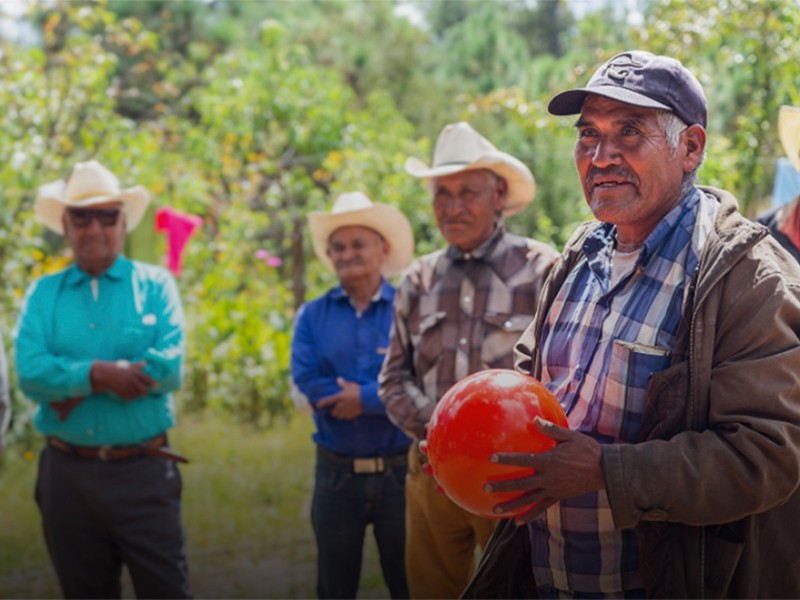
[
  {"x": 428, "y": 339},
  {"x": 629, "y": 371},
  {"x": 134, "y": 340},
  {"x": 501, "y": 332}
]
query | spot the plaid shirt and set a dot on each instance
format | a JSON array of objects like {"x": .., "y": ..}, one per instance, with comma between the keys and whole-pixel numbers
[
  {"x": 599, "y": 347},
  {"x": 457, "y": 313}
]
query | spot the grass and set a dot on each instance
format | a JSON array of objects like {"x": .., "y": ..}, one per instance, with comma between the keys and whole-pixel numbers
[{"x": 246, "y": 502}]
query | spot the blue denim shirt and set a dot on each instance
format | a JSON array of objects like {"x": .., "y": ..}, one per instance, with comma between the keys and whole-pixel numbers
[
  {"x": 69, "y": 319},
  {"x": 330, "y": 341}
]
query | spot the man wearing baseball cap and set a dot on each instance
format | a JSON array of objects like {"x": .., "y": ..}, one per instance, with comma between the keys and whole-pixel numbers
[{"x": 670, "y": 333}]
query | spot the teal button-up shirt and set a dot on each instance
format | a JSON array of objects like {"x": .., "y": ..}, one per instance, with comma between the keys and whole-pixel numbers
[{"x": 69, "y": 319}]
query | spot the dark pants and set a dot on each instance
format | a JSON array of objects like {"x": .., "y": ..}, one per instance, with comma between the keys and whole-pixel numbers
[
  {"x": 100, "y": 515},
  {"x": 344, "y": 504}
]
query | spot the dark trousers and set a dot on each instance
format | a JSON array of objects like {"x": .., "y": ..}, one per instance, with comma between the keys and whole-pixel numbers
[
  {"x": 344, "y": 504},
  {"x": 100, "y": 515}
]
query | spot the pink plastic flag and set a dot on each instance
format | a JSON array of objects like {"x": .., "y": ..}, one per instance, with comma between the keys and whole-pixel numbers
[{"x": 179, "y": 227}]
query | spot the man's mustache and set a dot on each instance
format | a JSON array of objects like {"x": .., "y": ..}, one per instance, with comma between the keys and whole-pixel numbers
[
  {"x": 349, "y": 263},
  {"x": 615, "y": 172}
]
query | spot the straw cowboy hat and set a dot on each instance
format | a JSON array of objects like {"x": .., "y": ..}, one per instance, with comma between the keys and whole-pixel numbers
[
  {"x": 355, "y": 209},
  {"x": 89, "y": 183},
  {"x": 461, "y": 148},
  {"x": 789, "y": 131}
]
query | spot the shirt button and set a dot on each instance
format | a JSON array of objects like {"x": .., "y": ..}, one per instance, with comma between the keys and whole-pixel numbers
[
  {"x": 463, "y": 341},
  {"x": 467, "y": 255},
  {"x": 91, "y": 325},
  {"x": 467, "y": 299},
  {"x": 89, "y": 432},
  {"x": 507, "y": 324}
]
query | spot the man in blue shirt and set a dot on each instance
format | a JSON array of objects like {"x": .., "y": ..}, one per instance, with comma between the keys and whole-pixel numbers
[
  {"x": 99, "y": 346},
  {"x": 340, "y": 340}
]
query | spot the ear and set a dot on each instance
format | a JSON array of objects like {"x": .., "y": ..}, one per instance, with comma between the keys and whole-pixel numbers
[
  {"x": 695, "y": 141},
  {"x": 501, "y": 195}
]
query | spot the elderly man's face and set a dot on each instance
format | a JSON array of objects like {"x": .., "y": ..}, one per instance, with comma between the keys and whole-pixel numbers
[
  {"x": 630, "y": 175},
  {"x": 357, "y": 253},
  {"x": 466, "y": 205},
  {"x": 95, "y": 234}
]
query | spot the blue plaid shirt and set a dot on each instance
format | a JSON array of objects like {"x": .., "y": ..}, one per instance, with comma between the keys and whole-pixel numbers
[{"x": 599, "y": 348}]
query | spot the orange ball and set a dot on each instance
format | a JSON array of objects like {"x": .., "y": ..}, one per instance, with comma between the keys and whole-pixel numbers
[{"x": 484, "y": 413}]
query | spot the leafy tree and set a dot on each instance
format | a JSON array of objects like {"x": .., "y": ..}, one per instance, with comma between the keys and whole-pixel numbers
[{"x": 746, "y": 54}]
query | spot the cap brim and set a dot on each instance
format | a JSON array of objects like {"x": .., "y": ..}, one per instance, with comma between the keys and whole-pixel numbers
[
  {"x": 388, "y": 221},
  {"x": 50, "y": 207},
  {"x": 570, "y": 102}
]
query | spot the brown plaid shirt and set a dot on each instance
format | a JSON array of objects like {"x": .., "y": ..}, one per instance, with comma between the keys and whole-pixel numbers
[{"x": 457, "y": 313}]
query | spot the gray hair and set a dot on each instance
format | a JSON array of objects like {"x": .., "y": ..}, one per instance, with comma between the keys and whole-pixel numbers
[{"x": 673, "y": 127}]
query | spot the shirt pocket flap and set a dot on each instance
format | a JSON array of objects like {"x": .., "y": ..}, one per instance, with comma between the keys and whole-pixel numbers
[
  {"x": 430, "y": 321},
  {"x": 506, "y": 322}
]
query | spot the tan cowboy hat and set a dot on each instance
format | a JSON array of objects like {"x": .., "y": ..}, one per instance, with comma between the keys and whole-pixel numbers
[
  {"x": 461, "y": 148},
  {"x": 89, "y": 183},
  {"x": 355, "y": 209},
  {"x": 789, "y": 132}
]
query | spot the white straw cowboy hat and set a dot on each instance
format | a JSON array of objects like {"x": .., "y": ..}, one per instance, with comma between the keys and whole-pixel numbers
[
  {"x": 89, "y": 183},
  {"x": 461, "y": 148},
  {"x": 355, "y": 209},
  {"x": 789, "y": 131}
]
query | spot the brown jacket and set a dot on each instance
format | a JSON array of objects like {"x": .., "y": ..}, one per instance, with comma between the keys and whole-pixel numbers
[{"x": 713, "y": 492}]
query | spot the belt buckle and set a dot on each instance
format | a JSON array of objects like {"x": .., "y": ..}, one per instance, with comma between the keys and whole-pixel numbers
[
  {"x": 368, "y": 466},
  {"x": 104, "y": 453}
]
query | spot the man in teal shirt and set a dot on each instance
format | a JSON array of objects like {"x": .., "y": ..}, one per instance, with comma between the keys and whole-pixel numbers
[{"x": 99, "y": 346}]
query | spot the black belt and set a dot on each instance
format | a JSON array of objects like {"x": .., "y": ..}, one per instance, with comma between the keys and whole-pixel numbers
[
  {"x": 153, "y": 447},
  {"x": 366, "y": 465}
]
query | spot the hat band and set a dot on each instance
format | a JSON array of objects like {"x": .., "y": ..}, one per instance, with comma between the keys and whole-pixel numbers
[
  {"x": 86, "y": 195},
  {"x": 449, "y": 164}
]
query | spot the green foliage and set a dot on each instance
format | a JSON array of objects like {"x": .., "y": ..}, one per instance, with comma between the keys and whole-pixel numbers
[{"x": 745, "y": 53}]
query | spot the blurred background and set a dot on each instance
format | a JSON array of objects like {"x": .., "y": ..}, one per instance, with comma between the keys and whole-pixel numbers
[{"x": 249, "y": 114}]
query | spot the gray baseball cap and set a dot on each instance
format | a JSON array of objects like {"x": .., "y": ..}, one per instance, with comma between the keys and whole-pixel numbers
[{"x": 642, "y": 79}]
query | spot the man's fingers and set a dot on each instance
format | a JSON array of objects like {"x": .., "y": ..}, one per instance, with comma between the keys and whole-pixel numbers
[
  {"x": 328, "y": 401},
  {"x": 518, "y": 459},
  {"x": 552, "y": 430},
  {"x": 520, "y": 501},
  {"x": 519, "y": 484}
]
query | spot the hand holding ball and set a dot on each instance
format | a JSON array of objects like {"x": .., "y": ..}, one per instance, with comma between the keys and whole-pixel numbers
[{"x": 484, "y": 413}]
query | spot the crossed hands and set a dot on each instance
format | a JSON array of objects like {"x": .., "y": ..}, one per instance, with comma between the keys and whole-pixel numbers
[
  {"x": 346, "y": 404},
  {"x": 571, "y": 468},
  {"x": 126, "y": 380}
]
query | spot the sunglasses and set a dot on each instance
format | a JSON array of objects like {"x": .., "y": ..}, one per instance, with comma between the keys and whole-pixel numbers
[{"x": 82, "y": 217}]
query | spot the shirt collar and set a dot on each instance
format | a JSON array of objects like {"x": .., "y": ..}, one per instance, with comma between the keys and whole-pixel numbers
[
  {"x": 384, "y": 292},
  {"x": 601, "y": 240},
  {"x": 75, "y": 275},
  {"x": 481, "y": 251}
]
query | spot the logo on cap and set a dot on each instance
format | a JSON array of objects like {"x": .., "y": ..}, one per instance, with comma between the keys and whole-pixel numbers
[{"x": 621, "y": 66}]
